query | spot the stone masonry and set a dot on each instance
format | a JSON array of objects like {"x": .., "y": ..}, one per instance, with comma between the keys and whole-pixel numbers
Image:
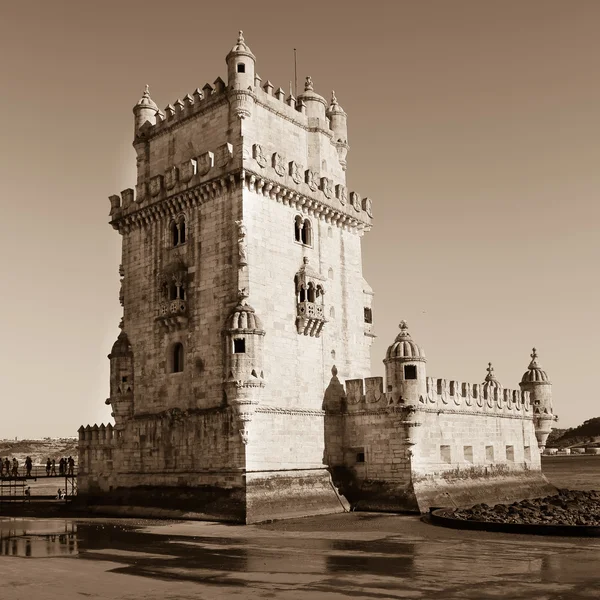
[{"x": 242, "y": 293}]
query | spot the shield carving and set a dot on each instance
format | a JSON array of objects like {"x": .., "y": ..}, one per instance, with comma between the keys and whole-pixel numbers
[
  {"x": 171, "y": 178},
  {"x": 186, "y": 170},
  {"x": 311, "y": 179},
  {"x": 341, "y": 193},
  {"x": 224, "y": 154},
  {"x": 355, "y": 200},
  {"x": 258, "y": 155},
  {"x": 155, "y": 185},
  {"x": 205, "y": 162},
  {"x": 367, "y": 206},
  {"x": 278, "y": 164},
  {"x": 327, "y": 187},
  {"x": 296, "y": 172}
]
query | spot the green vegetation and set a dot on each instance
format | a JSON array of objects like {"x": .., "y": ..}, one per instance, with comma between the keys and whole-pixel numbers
[{"x": 587, "y": 432}]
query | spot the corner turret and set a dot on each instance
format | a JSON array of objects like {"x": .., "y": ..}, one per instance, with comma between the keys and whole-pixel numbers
[
  {"x": 338, "y": 123},
  {"x": 240, "y": 65},
  {"x": 144, "y": 110},
  {"x": 241, "y": 78},
  {"x": 244, "y": 376},
  {"x": 315, "y": 105},
  {"x": 121, "y": 380},
  {"x": 405, "y": 372},
  {"x": 535, "y": 381}
]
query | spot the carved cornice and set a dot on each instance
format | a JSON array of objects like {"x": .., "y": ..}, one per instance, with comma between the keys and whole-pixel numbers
[
  {"x": 313, "y": 206},
  {"x": 275, "y": 410},
  {"x": 172, "y": 205},
  {"x": 476, "y": 413}
]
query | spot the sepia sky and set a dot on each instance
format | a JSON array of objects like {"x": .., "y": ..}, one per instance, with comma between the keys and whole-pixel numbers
[{"x": 474, "y": 127}]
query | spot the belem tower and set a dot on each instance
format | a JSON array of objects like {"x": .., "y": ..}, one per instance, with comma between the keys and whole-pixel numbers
[{"x": 240, "y": 382}]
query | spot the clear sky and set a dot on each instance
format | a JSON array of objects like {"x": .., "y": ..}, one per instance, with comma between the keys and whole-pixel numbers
[{"x": 474, "y": 126}]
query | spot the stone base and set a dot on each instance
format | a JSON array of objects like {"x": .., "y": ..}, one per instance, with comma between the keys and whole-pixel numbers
[
  {"x": 448, "y": 491},
  {"x": 204, "y": 502},
  {"x": 289, "y": 494}
]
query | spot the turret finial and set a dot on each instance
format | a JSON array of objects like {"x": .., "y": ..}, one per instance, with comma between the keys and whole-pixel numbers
[
  {"x": 534, "y": 354},
  {"x": 334, "y": 371},
  {"x": 308, "y": 84},
  {"x": 240, "y": 37},
  {"x": 490, "y": 376},
  {"x": 333, "y": 98},
  {"x": 147, "y": 91},
  {"x": 305, "y": 260},
  {"x": 403, "y": 325}
]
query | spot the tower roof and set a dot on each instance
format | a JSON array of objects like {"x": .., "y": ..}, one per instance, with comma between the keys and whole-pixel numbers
[
  {"x": 535, "y": 373},
  {"x": 404, "y": 347},
  {"x": 240, "y": 48},
  {"x": 121, "y": 347},
  {"x": 310, "y": 94},
  {"x": 490, "y": 379},
  {"x": 145, "y": 101},
  {"x": 243, "y": 316},
  {"x": 334, "y": 107}
]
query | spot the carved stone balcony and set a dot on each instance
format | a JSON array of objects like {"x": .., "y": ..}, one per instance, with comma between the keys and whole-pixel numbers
[
  {"x": 173, "y": 314},
  {"x": 310, "y": 318}
]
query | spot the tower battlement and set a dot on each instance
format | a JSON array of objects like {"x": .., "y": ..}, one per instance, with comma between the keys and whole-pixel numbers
[{"x": 442, "y": 395}]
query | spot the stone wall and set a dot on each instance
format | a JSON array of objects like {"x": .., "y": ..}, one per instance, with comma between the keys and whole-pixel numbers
[{"x": 459, "y": 445}]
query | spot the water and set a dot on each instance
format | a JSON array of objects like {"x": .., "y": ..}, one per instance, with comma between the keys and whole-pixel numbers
[{"x": 357, "y": 555}]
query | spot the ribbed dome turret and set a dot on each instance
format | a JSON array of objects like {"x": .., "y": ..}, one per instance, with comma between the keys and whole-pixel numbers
[
  {"x": 404, "y": 348},
  {"x": 491, "y": 382},
  {"x": 121, "y": 347},
  {"x": 334, "y": 107},
  {"x": 240, "y": 48},
  {"x": 535, "y": 373},
  {"x": 244, "y": 317},
  {"x": 309, "y": 93},
  {"x": 145, "y": 101}
]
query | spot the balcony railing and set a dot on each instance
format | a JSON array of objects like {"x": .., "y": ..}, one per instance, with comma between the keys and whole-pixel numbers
[
  {"x": 173, "y": 314},
  {"x": 310, "y": 318}
]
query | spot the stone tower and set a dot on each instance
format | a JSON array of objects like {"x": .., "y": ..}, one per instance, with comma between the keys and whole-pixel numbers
[
  {"x": 242, "y": 287},
  {"x": 535, "y": 381}
]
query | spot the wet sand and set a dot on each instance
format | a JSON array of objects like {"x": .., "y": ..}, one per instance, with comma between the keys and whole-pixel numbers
[{"x": 354, "y": 555}]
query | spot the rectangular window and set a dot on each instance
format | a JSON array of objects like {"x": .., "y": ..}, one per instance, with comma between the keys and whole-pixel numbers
[
  {"x": 510, "y": 453},
  {"x": 410, "y": 372},
  {"x": 368, "y": 315},
  {"x": 239, "y": 346},
  {"x": 527, "y": 452},
  {"x": 468, "y": 453},
  {"x": 489, "y": 453},
  {"x": 445, "y": 455},
  {"x": 360, "y": 457}
]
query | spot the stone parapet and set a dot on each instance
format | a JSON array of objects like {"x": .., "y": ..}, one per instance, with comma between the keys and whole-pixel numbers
[{"x": 442, "y": 396}]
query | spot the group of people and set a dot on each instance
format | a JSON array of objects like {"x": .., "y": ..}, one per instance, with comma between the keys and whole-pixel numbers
[
  {"x": 10, "y": 468},
  {"x": 66, "y": 466}
]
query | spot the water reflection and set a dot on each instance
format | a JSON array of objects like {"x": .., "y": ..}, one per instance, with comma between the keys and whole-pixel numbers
[{"x": 36, "y": 539}]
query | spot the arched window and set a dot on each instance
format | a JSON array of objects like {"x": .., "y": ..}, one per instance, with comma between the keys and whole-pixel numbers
[
  {"x": 182, "y": 231},
  {"x": 174, "y": 234},
  {"x": 173, "y": 292},
  {"x": 177, "y": 358},
  {"x": 311, "y": 292},
  {"x": 302, "y": 295},
  {"x": 298, "y": 228},
  {"x": 178, "y": 231},
  {"x": 307, "y": 233},
  {"x": 319, "y": 294}
]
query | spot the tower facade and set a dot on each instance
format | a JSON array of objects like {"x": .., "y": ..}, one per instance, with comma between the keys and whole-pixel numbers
[{"x": 242, "y": 286}]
